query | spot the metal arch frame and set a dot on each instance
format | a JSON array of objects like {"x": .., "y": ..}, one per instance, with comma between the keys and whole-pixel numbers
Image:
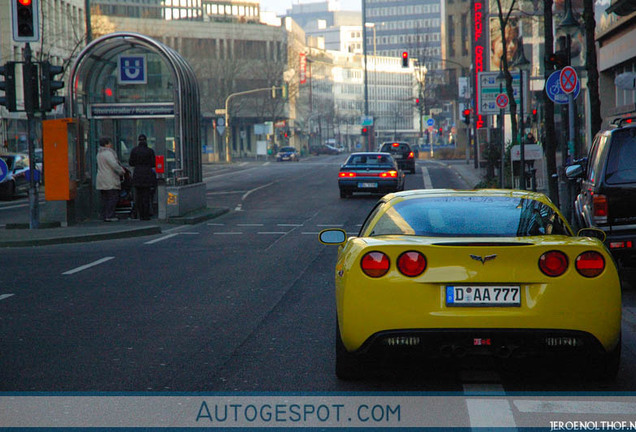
[{"x": 186, "y": 92}]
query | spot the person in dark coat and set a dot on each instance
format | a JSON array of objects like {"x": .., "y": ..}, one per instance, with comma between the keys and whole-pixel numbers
[{"x": 142, "y": 159}]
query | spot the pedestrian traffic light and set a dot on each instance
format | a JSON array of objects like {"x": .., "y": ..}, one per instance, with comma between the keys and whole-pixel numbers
[
  {"x": 558, "y": 59},
  {"x": 8, "y": 86},
  {"x": 417, "y": 101},
  {"x": 50, "y": 86},
  {"x": 534, "y": 115},
  {"x": 365, "y": 131},
  {"x": 31, "y": 88},
  {"x": 440, "y": 131},
  {"x": 466, "y": 114},
  {"x": 405, "y": 59},
  {"x": 25, "y": 15}
]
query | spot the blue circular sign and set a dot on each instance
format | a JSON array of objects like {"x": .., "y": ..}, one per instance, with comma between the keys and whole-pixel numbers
[
  {"x": 4, "y": 169},
  {"x": 430, "y": 122},
  {"x": 555, "y": 92}
]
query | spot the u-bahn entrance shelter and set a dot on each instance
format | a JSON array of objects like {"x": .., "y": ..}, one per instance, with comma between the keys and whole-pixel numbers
[{"x": 123, "y": 85}]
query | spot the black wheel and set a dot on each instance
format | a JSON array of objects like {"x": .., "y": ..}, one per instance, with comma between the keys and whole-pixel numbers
[
  {"x": 605, "y": 366},
  {"x": 348, "y": 366}
]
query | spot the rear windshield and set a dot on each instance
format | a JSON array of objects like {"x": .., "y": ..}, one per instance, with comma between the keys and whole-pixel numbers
[
  {"x": 621, "y": 162},
  {"x": 370, "y": 159},
  {"x": 470, "y": 217},
  {"x": 287, "y": 149},
  {"x": 388, "y": 147}
]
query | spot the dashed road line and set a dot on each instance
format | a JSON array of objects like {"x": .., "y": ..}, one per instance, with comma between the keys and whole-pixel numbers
[
  {"x": 228, "y": 233},
  {"x": 157, "y": 240},
  {"x": 84, "y": 267},
  {"x": 272, "y": 232},
  {"x": 5, "y": 296},
  {"x": 250, "y": 225},
  {"x": 426, "y": 177},
  {"x": 490, "y": 413}
]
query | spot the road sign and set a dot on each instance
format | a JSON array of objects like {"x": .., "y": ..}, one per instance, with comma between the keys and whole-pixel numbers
[
  {"x": 4, "y": 169},
  {"x": 430, "y": 128},
  {"x": 366, "y": 121},
  {"x": 554, "y": 91},
  {"x": 489, "y": 88},
  {"x": 220, "y": 125},
  {"x": 132, "y": 69},
  {"x": 430, "y": 122},
  {"x": 502, "y": 101},
  {"x": 568, "y": 79}
]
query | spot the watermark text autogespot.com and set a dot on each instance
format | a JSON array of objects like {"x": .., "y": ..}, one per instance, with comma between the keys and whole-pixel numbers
[{"x": 593, "y": 425}]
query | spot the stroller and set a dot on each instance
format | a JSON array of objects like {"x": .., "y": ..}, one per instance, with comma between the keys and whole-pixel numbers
[{"x": 126, "y": 205}]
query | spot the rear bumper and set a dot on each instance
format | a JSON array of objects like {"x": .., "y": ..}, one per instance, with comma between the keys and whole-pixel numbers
[{"x": 498, "y": 343}]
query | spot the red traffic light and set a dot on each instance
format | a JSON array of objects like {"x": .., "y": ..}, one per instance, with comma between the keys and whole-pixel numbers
[
  {"x": 25, "y": 2},
  {"x": 466, "y": 112},
  {"x": 405, "y": 59}
]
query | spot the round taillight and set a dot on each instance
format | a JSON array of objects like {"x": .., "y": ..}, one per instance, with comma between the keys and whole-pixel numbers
[
  {"x": 411, "y": 263},
  {"x": 590, "y": 264},
  {"x": 375, "y": 264},
  {"x": 553, "y": 263}
]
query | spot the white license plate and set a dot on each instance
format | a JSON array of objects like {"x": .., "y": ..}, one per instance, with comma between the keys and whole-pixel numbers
[
  {"x": 483, "y": 296},
  {"x": 367, "y": 185},
  {"x": 397, "y": 156}
]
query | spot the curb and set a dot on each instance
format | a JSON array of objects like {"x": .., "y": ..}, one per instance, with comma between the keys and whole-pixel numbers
[{"x": 81, "y": 238}]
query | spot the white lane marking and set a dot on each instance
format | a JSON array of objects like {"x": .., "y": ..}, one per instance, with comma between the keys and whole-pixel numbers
[
  {"x": 228, "y": 233},
  {"x": 84, "y": 267},
  {"x": 238, "y": 207},
  {"x": 490, "y": 413},
  {"x": 272, "y": 232},
  {"x": 157, "y": 240},
  {"x": 310, "y": 233},
  {"x": 243, "y": 163},
  {"x": 5, "y": 296},
  {"x": 330, "y": 225},
  {"x": 254, "y": 190},
  {"x": 289, "y": 225},
  {"x": 224, "y": 193},
  {"x": 574, "y": 407},
  {"x": 251, "y": 225},
  {"x": 266, "y": 163},
  {"x": 216, "y": 224},
  {"x": 427, "y": 178}
]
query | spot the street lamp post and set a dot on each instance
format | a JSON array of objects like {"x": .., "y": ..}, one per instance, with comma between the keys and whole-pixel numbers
[{"x": 522, "y": 64}]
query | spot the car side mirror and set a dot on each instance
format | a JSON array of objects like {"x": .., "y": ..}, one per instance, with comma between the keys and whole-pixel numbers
[
  {"x": 332, "y": 236},
  {"x": 592, "y": 232},
  {"x": 574, "y": 171}
]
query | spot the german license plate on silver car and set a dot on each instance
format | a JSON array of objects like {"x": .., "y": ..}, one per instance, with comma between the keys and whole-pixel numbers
[
  {"x": 483, "y": 295},
  {"x": 367, "y": 185}
]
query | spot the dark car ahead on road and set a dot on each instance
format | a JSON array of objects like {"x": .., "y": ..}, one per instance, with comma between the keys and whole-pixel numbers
[
  {"x": 287, "y": 154},
  {"x": 402, "y": 153},
  {"x": 16, "y": 179},
  {"x": 607, "y": 193},
  {"x": 373, "y": 172}
]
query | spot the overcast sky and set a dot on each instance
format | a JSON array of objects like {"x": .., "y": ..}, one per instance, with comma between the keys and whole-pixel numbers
[{"x": 281, "y": 6}]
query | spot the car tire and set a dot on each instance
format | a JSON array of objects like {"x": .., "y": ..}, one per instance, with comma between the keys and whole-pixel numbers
[
  {"x": 348, "y": 366},
  {"x": 604, "y": 367}
]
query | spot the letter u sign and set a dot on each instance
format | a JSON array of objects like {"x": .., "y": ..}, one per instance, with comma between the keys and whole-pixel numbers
[{"x": 132, "y": 69}]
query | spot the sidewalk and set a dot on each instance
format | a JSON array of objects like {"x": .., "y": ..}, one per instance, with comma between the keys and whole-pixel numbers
[
  {"x": 19, "y": 235},
  {"x": 467, "y": 171}
]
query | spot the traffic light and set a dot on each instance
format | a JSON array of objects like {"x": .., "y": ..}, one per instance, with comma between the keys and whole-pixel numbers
[
  {"x": 281, "y": 92},
  {"x": 466, "y": 114},
  {"x": 558, "y": 59},
  {"x": 440, "y": 131},
  {"x": 417, "y": 101},
  {"x": 365, "y": 131},
  {"x": 8, "y": 86},
  {"x": 26, "y": 20},
  {"x": 31, "y": 89},
  {"x": 534, "y": 115},
  {"x": 405, "y": 59},
  {"x": 50, "y": 86}
]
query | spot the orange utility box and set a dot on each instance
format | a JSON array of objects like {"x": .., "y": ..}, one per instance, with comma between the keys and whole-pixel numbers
[{"x": 58, "y": 137}]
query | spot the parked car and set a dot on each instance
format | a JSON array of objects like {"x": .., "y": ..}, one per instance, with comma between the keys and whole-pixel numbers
[
  {"x": 287, "y": 154},
  {"x": 440, "y": 273},
  {"x": 370, "y": 172},
  {"x": 402, "y": 153},
  {"x": 15, "y": 169},
  {"x": 323, "y": 149},
  {"x": 606, "y": 197}
]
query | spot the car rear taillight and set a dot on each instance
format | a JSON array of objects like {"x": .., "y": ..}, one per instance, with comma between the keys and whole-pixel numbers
[
  {"x": 375, "y": 264},
  {"x": 411, "y": 155},
  {"x": 600, "y": 208},
  {"x": 590, "y": 264},
  {"x": 411, "y": 263},
  {"x": 395, "y": 144},
  {"x": 391, "y": 174},
  {"x": 553, "y": 263},
  {"x": 346, "y": 174}
]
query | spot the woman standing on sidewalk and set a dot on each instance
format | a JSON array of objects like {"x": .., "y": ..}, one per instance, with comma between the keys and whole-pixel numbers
[{"x": 108, "y": 179}]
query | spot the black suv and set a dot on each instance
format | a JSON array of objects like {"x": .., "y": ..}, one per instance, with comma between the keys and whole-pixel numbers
[
  {"x": 402, "y": 153},
  {"x": 607, "y": 195}
]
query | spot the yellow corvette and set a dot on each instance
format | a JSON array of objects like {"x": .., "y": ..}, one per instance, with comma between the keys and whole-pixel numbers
[{"x": 449, "y": 273}]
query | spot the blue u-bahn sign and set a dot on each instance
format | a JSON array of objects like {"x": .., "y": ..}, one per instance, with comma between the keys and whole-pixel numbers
[{"x": 132, "y": 69}]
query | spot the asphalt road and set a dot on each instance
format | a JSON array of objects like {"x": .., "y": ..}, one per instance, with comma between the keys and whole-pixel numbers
[{"x": 242, "y": 303}]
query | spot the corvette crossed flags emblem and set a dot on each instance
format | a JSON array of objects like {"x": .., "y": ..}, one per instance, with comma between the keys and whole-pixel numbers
[{"x": 484, "y": 259}]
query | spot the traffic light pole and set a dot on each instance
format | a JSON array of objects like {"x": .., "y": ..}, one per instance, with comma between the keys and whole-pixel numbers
[{"x": 34, "y": 210}]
